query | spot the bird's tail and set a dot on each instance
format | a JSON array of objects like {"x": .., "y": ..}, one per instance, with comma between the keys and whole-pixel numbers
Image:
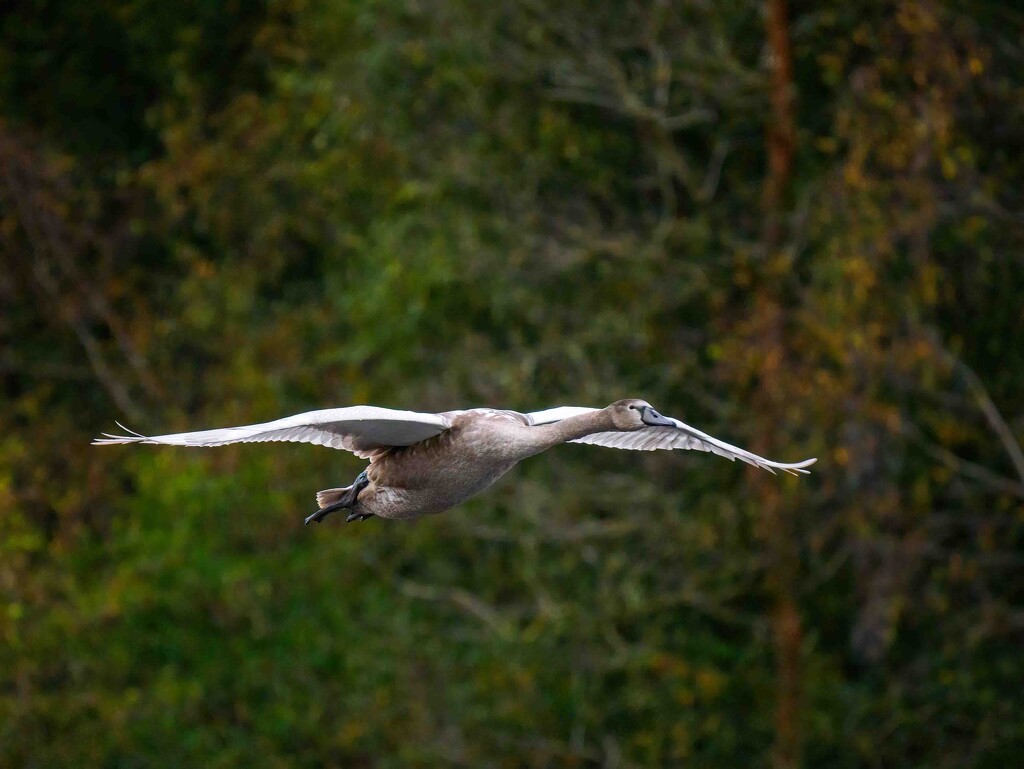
[{"x": 328, "y": 497}]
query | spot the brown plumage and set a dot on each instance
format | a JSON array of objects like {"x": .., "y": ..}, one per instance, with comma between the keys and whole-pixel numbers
[{"x": 421, "y": 464}]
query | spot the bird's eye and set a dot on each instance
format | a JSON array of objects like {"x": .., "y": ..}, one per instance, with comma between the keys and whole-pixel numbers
[{"x": 631, "y": 406}]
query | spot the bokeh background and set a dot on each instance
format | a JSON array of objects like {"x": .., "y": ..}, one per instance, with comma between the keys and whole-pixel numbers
[{"x": 799, "y": 229}]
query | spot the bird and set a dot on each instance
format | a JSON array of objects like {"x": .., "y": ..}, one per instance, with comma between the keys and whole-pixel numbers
[{"x": 423, "y": 464}]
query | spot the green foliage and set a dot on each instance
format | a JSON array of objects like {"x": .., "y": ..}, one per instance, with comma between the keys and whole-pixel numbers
[{"x": 218, "y": 213}]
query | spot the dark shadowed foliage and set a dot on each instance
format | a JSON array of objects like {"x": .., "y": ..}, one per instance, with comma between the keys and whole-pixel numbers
[{"x": 801, "y": 229}]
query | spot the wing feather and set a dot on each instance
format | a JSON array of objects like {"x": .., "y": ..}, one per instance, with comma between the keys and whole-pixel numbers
[
  {"x": 681, "y": 436},
  {"x": 363, "y": 430},
  {"x": 557, "y": 414}
]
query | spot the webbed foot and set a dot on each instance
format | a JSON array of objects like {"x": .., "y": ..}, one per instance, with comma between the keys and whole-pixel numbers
[
  {"x": 316, "y": 517},
  {"x": 346, "y": 500}
]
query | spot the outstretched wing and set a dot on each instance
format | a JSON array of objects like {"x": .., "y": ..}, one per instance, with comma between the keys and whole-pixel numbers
[
  {"x": 557, "y": 414},
  {"x": 680, "y": 436},
  {"x": 363, "y": 430}
]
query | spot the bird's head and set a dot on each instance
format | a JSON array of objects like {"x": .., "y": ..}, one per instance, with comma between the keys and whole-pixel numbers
[{"x": 635, "y": 414}]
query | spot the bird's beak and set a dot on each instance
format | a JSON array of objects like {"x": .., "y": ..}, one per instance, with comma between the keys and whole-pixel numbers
[{"x": 651, "y": 417}]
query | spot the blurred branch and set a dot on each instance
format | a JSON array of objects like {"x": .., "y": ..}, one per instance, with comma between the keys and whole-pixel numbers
[
  {"x": 696, "y": 599},
  {"x": 596, "y": 65},
  {"x": 55, "y": 245},
  {"x": 581, "y": 532},
  {"x": 11, "y": 365},
  {"x": 963, "y": 466},
  {"x": 460, "y": 598},
  {"x": 714, "y": 170},
  {"x": 40, "y": 270},
  {"x": 544, "y": 751},
  {"x": 982, "y": 399},
  {"x": 991, "y": 412}
]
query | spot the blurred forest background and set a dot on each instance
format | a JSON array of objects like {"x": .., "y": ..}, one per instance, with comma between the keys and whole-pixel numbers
[{"x": 799, "y": 229}]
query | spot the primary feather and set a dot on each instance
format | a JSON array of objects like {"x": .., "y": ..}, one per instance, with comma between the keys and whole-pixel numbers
[
  {"x": 682, "y": 436},
  {"x": 363, "y": 430}
]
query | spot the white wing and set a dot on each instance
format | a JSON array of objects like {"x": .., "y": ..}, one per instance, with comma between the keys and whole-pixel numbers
[
  {"x": 363, "y": 430},
  {"x": 557, "y": 414},
  {"x": 682, "y": 436}
]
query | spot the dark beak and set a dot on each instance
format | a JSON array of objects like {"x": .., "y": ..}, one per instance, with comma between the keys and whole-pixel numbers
[{"x": 651, "y": 417}]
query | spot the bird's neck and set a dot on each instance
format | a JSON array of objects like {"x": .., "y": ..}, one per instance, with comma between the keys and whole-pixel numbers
[{"x": 570, "y": 429}]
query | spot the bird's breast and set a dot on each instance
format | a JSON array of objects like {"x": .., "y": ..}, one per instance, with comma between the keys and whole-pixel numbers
[{"x": 441, "y": 472}]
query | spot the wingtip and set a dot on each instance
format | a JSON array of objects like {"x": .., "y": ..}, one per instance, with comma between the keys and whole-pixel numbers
[
  {"x": 109, "y": 439},
  {"x": 798, "y": 467},
  {"x": 130, "y": 432}
]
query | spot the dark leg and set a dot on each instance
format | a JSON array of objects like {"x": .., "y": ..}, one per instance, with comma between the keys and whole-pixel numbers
[{"x": 347, "y": 501}]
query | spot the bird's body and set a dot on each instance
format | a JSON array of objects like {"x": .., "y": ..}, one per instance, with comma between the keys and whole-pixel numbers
[
  {"x": 421, "y": 464},
  {"x": 438, "y": 473}
]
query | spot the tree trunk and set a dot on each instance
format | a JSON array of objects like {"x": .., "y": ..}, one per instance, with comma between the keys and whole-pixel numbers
[{"x": 779, "y": 530}]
